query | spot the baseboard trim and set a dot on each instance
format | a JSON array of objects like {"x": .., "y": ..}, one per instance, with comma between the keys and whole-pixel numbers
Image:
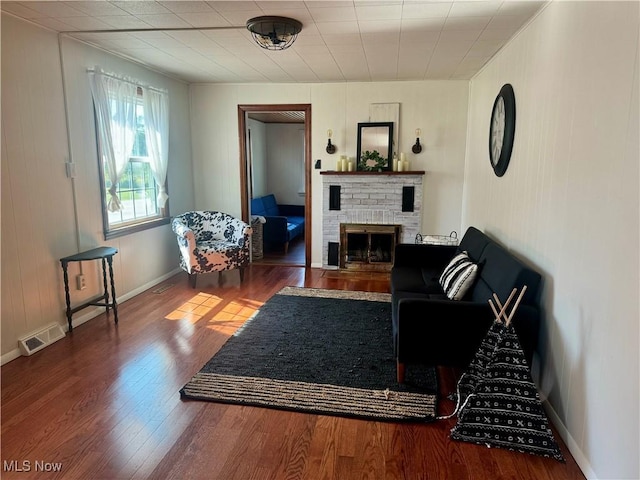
[
  {"x": 137, "y": 291},
  {"x": 572, "y": 445},
  {"x": 79, "y": 320},
  {"x": 12, "y": 355}
]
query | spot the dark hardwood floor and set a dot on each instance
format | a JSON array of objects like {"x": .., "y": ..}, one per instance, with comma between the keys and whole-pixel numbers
[
  {"x": 276, "y": 256},
  {"x": 103, "y": 403}
]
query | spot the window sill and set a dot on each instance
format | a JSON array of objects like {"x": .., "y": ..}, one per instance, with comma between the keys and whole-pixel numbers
[{"x": 138, "y": 227}]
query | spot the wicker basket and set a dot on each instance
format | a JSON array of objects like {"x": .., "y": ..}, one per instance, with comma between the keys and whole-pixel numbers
[
  {"x": 451, "y": 239},
  {"x": 257, "y": 243}
]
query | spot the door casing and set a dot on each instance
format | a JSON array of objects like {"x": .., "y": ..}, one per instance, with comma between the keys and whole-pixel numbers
[{"x": 244, "y": 186}]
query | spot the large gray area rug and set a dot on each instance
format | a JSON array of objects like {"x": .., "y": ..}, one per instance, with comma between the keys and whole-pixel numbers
[{"x": 317, "y": 351}]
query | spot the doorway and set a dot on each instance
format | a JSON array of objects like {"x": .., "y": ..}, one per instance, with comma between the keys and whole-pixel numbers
[{"x": 276, "y": 114}]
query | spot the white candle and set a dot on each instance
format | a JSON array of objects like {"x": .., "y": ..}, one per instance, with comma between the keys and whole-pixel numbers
[
  {"x": 344, "y": 164},
  {"x": 403, "y": 157},
  {"x": 405, "y": 165},
  {"x": 339, "y": 165},
  {"x": 350, "y": 165},
  {"x": 400, "y": 165}
]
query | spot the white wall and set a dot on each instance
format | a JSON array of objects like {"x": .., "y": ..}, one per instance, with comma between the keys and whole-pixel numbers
[
  {"x": 258, "y": 156},
  {"x": 285, "y": 162},
  {"x": 439, "y": 108},
  {"x": 569, "y": 203},
  {"x": 38, "y": 201}
]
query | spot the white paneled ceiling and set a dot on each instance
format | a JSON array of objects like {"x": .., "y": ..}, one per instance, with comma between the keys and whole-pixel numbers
[
  {"x": 356, "y": 40},
  {"x": 277, "y": 117}
]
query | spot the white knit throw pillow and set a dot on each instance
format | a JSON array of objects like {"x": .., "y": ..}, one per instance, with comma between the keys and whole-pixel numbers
[{"x": 458, "y": 277}]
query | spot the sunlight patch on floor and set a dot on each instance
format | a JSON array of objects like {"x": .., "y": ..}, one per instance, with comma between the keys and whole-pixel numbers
[
  {"x": 195, "y": 308},
  {"x": 233, "y": 315}
]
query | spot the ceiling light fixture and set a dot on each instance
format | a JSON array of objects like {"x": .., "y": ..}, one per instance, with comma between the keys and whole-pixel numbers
[{"x": 274, "y": 33}]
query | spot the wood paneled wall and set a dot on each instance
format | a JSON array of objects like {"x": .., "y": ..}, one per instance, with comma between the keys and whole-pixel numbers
[
  {"x": 439, "y": 108},
  {"x": 40, "y": 204},
  {"x": 569, "y": 204}
]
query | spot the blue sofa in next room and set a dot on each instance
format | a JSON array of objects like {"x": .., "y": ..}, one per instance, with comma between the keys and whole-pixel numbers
[{"x": 284, "y": 222}]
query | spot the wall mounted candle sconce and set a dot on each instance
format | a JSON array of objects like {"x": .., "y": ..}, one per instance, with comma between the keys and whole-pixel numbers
[
  {"x": 331, "y": 148},
  {"x": 417, "y": 148}
]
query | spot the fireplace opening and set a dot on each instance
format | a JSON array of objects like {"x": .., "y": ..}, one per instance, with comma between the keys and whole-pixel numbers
[{"x": 368, "y": 246}]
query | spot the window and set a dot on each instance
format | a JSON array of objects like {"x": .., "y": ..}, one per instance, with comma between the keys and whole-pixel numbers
[
  {"x": 132, "y": 130},
  {"x": 137, "y": 189}
]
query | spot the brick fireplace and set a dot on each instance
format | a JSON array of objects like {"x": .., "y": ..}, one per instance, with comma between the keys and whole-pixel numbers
[{"x": 382, "y": 199}]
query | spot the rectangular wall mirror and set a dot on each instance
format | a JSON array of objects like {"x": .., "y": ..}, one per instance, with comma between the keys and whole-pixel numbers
[{"x": 375, "y": 146}]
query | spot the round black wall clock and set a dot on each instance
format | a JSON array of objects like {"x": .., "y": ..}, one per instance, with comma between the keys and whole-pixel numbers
[{"x": 502, "y": 130}]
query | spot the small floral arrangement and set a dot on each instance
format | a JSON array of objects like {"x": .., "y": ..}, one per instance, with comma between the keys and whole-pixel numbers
[{"x": 372, "y": 161}]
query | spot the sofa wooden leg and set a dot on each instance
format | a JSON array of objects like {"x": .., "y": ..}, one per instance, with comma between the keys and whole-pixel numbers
[
  {"x": 400, "y": 372},
  {"x": 286, "y": 247},
  {"x": 192, "y": 280},
  {"x": 241, "y": 275}
]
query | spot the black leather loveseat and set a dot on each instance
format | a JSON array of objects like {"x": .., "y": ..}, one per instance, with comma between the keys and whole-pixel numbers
[{"x": 428, "y": 328}]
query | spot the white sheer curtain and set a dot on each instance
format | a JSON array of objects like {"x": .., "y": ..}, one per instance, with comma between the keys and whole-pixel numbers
[
  {"x": 115, "y": 105},
  {"x": 156, "y": 124}
]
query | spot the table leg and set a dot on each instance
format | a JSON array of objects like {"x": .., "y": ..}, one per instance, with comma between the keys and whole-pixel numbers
[
  {"x": 113, "y": 290},
  {"x": 104, "y": 282},
  {"x": 67, "y": 297}
]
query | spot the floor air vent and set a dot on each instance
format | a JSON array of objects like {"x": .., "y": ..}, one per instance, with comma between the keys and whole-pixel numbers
[{"x": 30, "y": 344}]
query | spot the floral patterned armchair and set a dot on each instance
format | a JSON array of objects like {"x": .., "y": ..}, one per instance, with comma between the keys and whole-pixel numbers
[{"x": 211, "y": 242}]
